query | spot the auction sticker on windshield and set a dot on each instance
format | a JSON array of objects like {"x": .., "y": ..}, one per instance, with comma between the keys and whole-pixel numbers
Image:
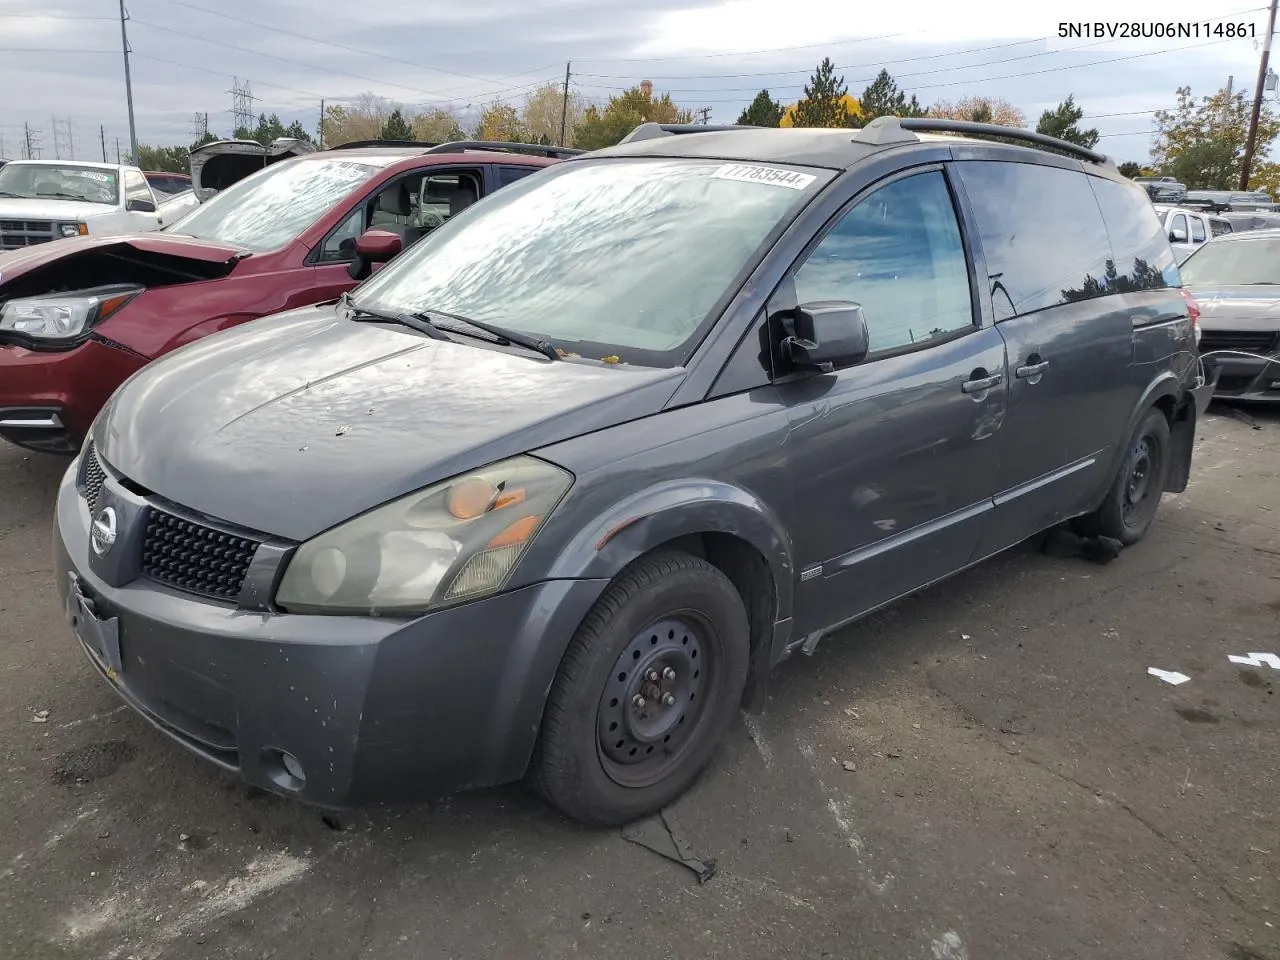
[
  {"x": 773, "y": 176},
  {"x": 91, "y": 175}
]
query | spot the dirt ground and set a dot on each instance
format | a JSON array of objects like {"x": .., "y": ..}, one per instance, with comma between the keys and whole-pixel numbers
[{"x": 984, "y": 771}]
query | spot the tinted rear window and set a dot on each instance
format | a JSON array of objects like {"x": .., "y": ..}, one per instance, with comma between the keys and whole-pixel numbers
[
  {"x": 1042, "y": 234},
  {"x": 1143, "y": 258}
]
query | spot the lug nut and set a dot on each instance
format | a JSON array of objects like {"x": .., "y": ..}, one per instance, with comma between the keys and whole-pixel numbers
[
  {"x": 637, "y": 701},
  {"x": 651, "y": 675},
  {"x": 668, "y": 674},
  {"x": 668, "y": 699}
]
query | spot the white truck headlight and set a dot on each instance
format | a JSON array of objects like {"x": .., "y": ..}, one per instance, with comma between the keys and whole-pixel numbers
[
  {"x": 63, "y": 316},
  {"x": 456, "y": 540},
  {"x": 73, "y": 229}
]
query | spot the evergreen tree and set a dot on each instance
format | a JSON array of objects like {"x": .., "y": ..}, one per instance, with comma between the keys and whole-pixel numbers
[
  {"x": 882, "y": 98},
  {"x": 764, "y": 111},
  {"x": 1062, "y": 123},
  {"x": 823, "y": 103},
  {"x": 396, "y": 127}
]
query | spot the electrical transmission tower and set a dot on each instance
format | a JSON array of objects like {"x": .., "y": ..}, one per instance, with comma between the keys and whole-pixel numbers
[
  {"x": 242, "y": 99},
  {"x": 32, "y": 138},
  {"x": 200, "y": 127}
]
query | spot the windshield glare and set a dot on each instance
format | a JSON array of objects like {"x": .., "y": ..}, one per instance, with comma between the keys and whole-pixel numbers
[
  {"x": 621, "y": 258},
  {"x": 52, "y": 181},
  {"x": 1234, "y": 263},
  {"x": 270, "y": 208}
]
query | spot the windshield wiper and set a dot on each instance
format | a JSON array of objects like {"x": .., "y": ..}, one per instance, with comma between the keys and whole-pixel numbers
[
  {"x": 502, "y": 334},
  {"x": 15, "y": 196},
  {"x": 64, "y": 196},
  {"x": 410, "y": 320}
]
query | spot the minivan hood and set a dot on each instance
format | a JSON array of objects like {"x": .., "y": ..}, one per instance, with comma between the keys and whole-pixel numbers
[
  {"x": 294, "y": 423},
  {"x": 1252, "y": 307},
  {"x": 71, "y": 211}
]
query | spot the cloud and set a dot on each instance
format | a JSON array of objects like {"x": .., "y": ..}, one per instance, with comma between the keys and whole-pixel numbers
[{"x": 462, "y": 55}]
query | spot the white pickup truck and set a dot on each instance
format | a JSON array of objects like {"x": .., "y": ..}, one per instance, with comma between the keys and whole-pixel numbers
[
  {"x": 43, "y": 200},
  {"x": 1187, "y": 229}
]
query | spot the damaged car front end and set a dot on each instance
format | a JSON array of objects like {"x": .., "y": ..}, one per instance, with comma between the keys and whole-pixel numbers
[{"x": 76, "y": 323}]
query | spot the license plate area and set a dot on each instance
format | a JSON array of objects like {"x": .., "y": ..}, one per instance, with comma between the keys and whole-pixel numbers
[{"x": 101, "y": 635}]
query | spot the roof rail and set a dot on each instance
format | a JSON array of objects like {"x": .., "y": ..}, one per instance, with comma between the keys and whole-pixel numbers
[
  {"x": 546, "y": 150},
  {"x": 650, "y": 131},
  {"x": 360, "y": 144},
  {"x": 887, "y": 130}
]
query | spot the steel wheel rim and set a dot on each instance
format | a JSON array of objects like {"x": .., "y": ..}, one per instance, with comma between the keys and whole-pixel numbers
[
  {"x": 672, "y": 666},
  {"x": 1137, "y": 488}
]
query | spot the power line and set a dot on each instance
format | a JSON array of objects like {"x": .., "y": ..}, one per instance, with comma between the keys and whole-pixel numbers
[{"x": 341, "y": 46}]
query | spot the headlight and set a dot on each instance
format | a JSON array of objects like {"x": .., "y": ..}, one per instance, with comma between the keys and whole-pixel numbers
[
  {"x": 456, "y": 540},
  {"x": 73, "y": 229},
  {"x": 63, "y": 316}
]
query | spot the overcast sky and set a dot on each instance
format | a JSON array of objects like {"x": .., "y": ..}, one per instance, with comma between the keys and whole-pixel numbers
[{"x": 61, "y": 58}]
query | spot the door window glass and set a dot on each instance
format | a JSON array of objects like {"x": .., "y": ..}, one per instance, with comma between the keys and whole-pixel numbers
[
  {"x": 135, "y": 187},
  {"x": 898, "y": 254},
  {"x": 1197, "y": 230},
  {"x": 1142, "y": 258},
  {"x": 340, "y": 245},
  {"x": 1042, "y": 234},
  {"x": 1179, "y": 228}
]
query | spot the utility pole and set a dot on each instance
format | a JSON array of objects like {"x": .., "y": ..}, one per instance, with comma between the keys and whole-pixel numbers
[
  {"x": 128, "y": 82},
  {"x": 320, "y": 129},
  {"x": 706, "y": 113},
  {"x": 57, "y": 141},
  {"x": 1251, "y": 141},
  {"x": 102, "y": 135},
  {"x": 117, "y": 149},
  {"x": 71, "y": 140},
  {"x": 26, "y": 130},
  {"x": 564, "y": 104}
]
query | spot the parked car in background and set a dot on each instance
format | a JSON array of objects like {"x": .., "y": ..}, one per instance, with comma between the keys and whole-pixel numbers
[
  {"x": 1231, "y": 199},
  {"x": 1187, "y": 229},
  {"x": 46, "y": 200},
  {"x": 169, "y": 184},
  {"x": 80, "y": 316},
  {"x": 1244, "y": 221},
  {"x": 1236, "y": 282},
  {"x": 1163, "y": 189},
  {"x": 550, "y": 493}
]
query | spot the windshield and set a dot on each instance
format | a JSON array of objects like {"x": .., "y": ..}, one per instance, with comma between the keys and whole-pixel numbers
[
  {"x": 1234, "y": 263},
  {"x": 52, "y": 181},
  {"x": 622, "y": 258},
  {"x": 270, "y": 208}
]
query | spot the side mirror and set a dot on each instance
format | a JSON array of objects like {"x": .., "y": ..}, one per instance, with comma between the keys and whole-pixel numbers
[
  {"x": 827, "y": 334},
  {"x": 373, "y": 247},
  {"x": 1177, "y": 235},
  {"x": 378, "y": 246},
  {"x": 140, "y": 206}
]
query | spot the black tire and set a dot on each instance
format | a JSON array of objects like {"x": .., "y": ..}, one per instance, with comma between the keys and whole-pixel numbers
[
  {"x": 578, "y": 765},
  {"x": 1134, "y": 497}
]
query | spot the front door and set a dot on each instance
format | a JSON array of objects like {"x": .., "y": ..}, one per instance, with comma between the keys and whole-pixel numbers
[
  {"x": 1051, "y": 270},
  {"x": 893, "y": 461}
]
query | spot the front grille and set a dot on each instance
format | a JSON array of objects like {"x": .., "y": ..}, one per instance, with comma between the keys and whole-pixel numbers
[
  {"x": 1247, "y": 340},
  {"x": 16, "y": 234},
  {"x": 92, "y": 479},
  {"x": 192, "y": 557}
]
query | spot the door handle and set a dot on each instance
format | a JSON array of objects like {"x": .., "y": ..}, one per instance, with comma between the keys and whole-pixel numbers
[
  {"x": 1032, "y": 370},
  {"x": 984, "y": 383}
]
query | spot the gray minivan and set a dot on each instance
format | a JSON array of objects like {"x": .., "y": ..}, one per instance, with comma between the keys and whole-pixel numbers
[{"x": 551, "y": 493}]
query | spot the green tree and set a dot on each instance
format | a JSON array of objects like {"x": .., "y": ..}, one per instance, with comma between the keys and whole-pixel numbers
[
  {"x": 622, "y": 114},
  {"x": 206, "y": 137},
  {"x": 1130, "y": 169},
  {"x": 1063, "y": 124},
  {"x": 823, "y": 103},
  {"x": 1201, "y": 143},
  {"x": 396, "y": 127},
  {"x": 168, "y": 159},
  {"x": 882, "y": 98},
  {"x": 437, "y": 126},
  {"x": 764, "y": 111}
]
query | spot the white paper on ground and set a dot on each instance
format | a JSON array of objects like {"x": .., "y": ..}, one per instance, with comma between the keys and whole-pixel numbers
[
  {"x": 1257, "y": 660},
  {"x": 1168, "y": 676}
]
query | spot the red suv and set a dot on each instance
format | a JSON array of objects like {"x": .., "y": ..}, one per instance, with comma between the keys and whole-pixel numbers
[{"x": 81, "y": 315}]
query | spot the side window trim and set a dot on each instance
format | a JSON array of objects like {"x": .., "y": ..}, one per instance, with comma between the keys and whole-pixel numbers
[{"x": 784, "y": 294}]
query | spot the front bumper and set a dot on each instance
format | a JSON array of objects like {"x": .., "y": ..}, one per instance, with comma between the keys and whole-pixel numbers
[
  {"x": 369, "y": 709},
  {"x": 49, "y": 399},
  {"x": 1247, "y": 378}
]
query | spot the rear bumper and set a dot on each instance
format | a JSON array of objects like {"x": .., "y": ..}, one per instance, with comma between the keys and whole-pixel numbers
[
  {"x": 48, "y": 400},
  {"x": 369, "y": 709}
]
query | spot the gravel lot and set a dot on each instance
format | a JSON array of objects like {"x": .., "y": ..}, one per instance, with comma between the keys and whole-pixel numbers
[{"x": 1019, "y": 786}]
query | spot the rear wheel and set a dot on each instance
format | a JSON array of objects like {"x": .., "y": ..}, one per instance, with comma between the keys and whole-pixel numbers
[
  {"x": 1135, "y": 494},
  {"x": 645, "y": 692}
]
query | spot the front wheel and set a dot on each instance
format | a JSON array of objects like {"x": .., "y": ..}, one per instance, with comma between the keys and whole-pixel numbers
[
  {"x": 646, "y": 689},
  {"x": 1135, "y": 494}
]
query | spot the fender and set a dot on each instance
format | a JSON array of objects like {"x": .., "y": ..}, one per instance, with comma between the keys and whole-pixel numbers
[
  {"x": 1166, "y": 384},
  {"x": 674, "y": 509}
]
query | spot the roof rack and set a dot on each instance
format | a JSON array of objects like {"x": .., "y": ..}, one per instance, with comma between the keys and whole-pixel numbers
[
  {"x": 534, "y": 148},
  {"x": 361, "y": 144},
  {"x": 887, "y": 130},
  {"x": 650, "y": 131}
]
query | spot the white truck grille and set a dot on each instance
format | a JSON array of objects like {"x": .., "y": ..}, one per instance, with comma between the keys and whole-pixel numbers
[{"x": 15, "y": 234}]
